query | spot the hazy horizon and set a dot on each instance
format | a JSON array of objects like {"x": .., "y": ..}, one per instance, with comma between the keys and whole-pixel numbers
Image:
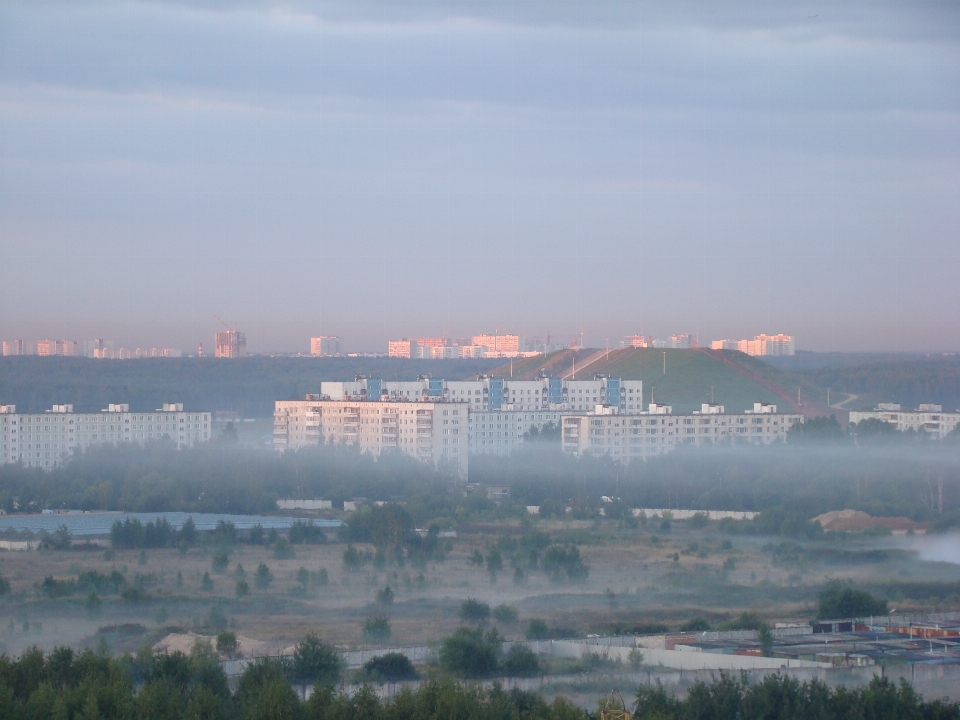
[{"x": 375, "y": 171}]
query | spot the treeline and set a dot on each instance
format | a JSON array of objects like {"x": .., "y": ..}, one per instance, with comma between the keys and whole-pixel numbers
[
  {"x": 790, "y": 483},
  {"x": 908, "y": 380},
  {"x": 178, "y": 686},
  {"x": 249, "y": 386}
]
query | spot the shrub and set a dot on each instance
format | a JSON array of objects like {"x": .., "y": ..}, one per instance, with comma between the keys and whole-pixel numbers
[
  {"x": 470, "y": 653},
  {"x": 220, "y": 562},
  {"x": 392, "y": 667},
  {"x": 385, "y": 596},
  {"x": 836, "y": 601},
  {"x": 241, "y": 589},
  {"x": 314, "y": 661},
  {"x": 227, "y": 644},
  {"x": 537, "y": 630},
  {"x": 506, "y": 614},
  {"x": 263, "y": 576},
  {"x": 282, "y": 550},
  {"x": 304, "y": 531},
  {"x": 353, "y": 559},
  {"x": 564, "y": 560},
  {"x": 474, "y": 611},
  {"x": 376, "y": 629},
  {"x": 521, "y": 662},
  {"x": 695, "y": 625}
]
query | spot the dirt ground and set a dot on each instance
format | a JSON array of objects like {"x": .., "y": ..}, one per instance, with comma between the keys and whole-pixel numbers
[{"x": 634, "y": 578}]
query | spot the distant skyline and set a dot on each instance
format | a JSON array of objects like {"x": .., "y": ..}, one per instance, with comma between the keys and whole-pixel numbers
[{"x": 375, "y": 171}]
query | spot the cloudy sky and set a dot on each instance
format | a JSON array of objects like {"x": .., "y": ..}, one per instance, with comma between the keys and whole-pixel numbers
[{"x": 406, "y": 168}]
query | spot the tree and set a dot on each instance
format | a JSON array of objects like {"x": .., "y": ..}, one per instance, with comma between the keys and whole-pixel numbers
[
  {"x": 227, "y": 644},
  {"x": 314, "y": 661},
  {"x": 263, "y": 576},
  {"x": 207, "y": 582},
  {"x": 473, "y": 611},
  {"x": 376, "y": 629},
  {"x": 836, "y": 601},
  {"x": 521, "y": 661},
  {"x": 392, "y": 667},
  {"x": 494, "y": 561},
  {"x": 765, "y": 636},
  {"x": 537, "y": 630},
  {"x": 697, "y": 624},
  {"x": 506, "y": 614},
  {"x": 470, "y": 653},
  {"x": 385, "y": 597},
  {"x": 241, "y": 589},
  {"x": 353, "y": 559}
]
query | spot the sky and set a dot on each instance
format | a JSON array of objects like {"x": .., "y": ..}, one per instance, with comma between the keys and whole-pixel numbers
[{"x": 379, "y": 170}]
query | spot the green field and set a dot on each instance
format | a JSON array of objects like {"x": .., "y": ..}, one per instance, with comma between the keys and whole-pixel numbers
[{"x": 691, "y": 378}]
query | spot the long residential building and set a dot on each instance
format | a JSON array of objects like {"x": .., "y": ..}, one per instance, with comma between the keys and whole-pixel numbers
[
  {"x": 429, "y": 431},
  {"x": 47, "y": 439},
  {"x": 488, "y": 393},
  {"x": 929, "y": 418},
  {"x": 631, "y": 437}
]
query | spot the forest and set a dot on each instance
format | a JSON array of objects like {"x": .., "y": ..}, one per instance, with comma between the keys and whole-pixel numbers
[{"x": 89, "y": 685}]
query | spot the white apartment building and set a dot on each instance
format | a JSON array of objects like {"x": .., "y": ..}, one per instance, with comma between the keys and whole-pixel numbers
[
  {"x": 487, "y": 393},
  {"x": 761, "y": 345},
  {"x": 14, "y": 347},
  {"x": 47, "y": 439},
  {"x": 927, "y": 418},
  {"x": 429, "y": 431},
  {"x": 632, "y": 437},
  {"x": 325, "y": 346},
  {"x": 500, "y": 432}
]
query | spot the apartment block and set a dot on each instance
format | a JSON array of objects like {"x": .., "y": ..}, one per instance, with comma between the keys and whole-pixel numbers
[
  {"x": 47, "y": 439},
  {"x": 65, "y": 348},
  {"x": 435, "y": 348},
  {"x": 631, "y": 437},
  {"x": 761, "y": 345},
  {"x": 14, "y": 347},
  {"x": 230, "y": 344},
  {"x": 927, "y": 418},
  {"x": 325, "y": 346},
  {"x": 429, "y": 431},
  {"x": 489, "y": 393},
  {"x": 501, "y": 432}
]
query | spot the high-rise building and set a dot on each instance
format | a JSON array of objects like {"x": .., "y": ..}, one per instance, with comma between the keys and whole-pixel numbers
[
  {"x": 402, "y": 348},
  {"x": 230, "y": 344},
  {"x": 761, "y": 345},
  {"x": 66, "y": 348},
  {"x": 636, "y": 341},
  {"x": 14, "y": 347},
  {"x": 429, "y": 431},
  {"x": 325, "y": 346}
]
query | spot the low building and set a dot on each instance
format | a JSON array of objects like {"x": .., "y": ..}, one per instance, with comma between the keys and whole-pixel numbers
[
  {"x": 624, "y": 437},
  {"x": 928, "y": 418},
  {"x": 47, "y": 439}
]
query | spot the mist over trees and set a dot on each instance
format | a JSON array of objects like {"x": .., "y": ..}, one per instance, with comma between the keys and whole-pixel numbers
[{"x": 802, "y": 479}]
